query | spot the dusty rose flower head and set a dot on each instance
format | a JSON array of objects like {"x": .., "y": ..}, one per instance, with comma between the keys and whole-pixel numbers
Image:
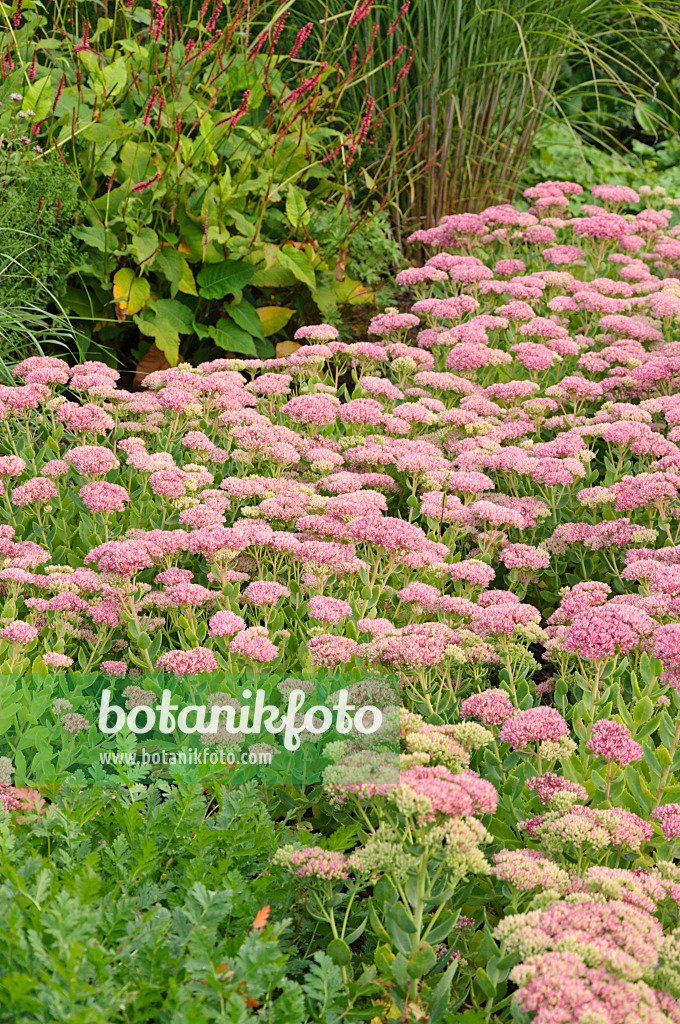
[
  {"x": 491, "y": 707},
  {"x": 114, "y": 668},
  {"x": 668, "y": 816},
  {"x": 225, "y": 623},
  {"x": 53, "y": 659},
  {"x": 532, "y": 726},
  {"x": 329, "y": 609},
  {"x": 182, "y": 663},
  {"x": 613, "y": 741},
  {"x": 254, "y": 643},
  {"x": 19, "y": 632}
]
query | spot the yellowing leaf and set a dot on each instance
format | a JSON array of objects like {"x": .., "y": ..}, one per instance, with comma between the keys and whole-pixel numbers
[
  {"x": 274, "y": 318},
  {"x": 286, "y": 348},
  {"x": 187, "y": 284},
  {"x": 129, "y": 292}
]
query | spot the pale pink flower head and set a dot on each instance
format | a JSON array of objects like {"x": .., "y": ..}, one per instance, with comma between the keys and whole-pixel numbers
[
  {"x": 668, "y": 816},
  {"x": 524, "y": 556},
  {"x": 615, "y": 193},
  {"x": 317, "y": 332},
  {"x": 114, "y": 668},
  {"x": 11, "y": 465},
  {"x": 19, "y": 632},
  {"x": 54, "y": 659},
  {"x": 103, "y": 497},
  {"x": 314, "y": 862},
  {"x": 265, "y": 592},
  {"x": 388, "y": 323},
  {"x": 329, "y": 609},
  {"x": 91, "y": 460},
  {"x": 598, "y": 632},
  {"x": 38, "y": 489},
  {"x": 225, "y": 623},
  {"x": 666, "y": 647},
  {"x": 461, "y": 795},
  {"x": 533, "y": 726},
  {"x": 185, "y": 663},
  {"x": 549, "y": 784},
  {"x": 55, "y": 468},
  {"x": 254, "y": 644},
  {"x": 330, "y": 650},
  {"x": 613, "y": 741},
  {"x": 491, "y": 707}
]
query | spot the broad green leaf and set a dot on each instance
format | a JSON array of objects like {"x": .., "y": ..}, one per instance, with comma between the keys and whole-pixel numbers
[
  {"x": 101, "y": 131},
  {"x": 351, "y": 291},
  {"x": 273, "y": 318},
  {"x": 169, "y": 263},
  {"x": 339, "y": 952},
  {"x": 164, "y": 334},
  {"x": 103, "y": 25},
  {"x": 645, "y": 117},
  {"x": 135, "y": 162},
  {"x": 324, "y": 296},
  {"x": 216, "y": 280},
  {"x": 296, "y": 207},
  {"x": 176, "y": 313},
  {"x": 97, "y": 236},
  {"x": 115, "y": 76},
  {"x": 130, "y": 291},
  {"x": 245, "y": 316},
  {"x": 264, "y": 349},
  {"x": 89, "y": 60},
  {"x": 273, "y": 277},
  {"x": 230, "y": 337},
  {"x": 295, "y": 260},
  {"x": 38, "y": 97},
  {"x": 145, "y": 244}
]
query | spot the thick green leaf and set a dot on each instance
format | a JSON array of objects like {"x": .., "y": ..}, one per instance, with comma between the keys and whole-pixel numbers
[
  {"x": 164, "y": 334},
  {"x": 300, "y": 266},
  {"x": 168, "y": 262},
  {"x": 296, "y": 207},
  {"x": 145, "y": 244},
  {"x": 38, "y": 97},
  {"x": 230, "y": 337},
  {"x": 97, "y": 236},
  {"x": 176, "y": 313},
  {"x": 245, "y": 316},
  {"x": 219, "y": 279}
]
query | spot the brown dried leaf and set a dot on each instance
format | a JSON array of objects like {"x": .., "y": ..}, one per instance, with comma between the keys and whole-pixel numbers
[
  {"x": 152, "y": 361},
  {"x": 286, "y": 348}
]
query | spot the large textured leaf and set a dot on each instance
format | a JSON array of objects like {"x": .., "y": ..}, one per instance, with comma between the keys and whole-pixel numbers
[
  {"x": 225, "y": 278},
  {"x": 169, "y": 263},
  {"x": 38, "y": 97},
  {"x": 230, "y": 337},
  {"x": 176, "y": 313},
  {"x": 296, "y": 207},
  {"x": 145, "y": 244},
  {"x": 114, "y": 76},
  {"x": 300, "y": 266},
  {"x": 273, "y": 277},
  {"x": 245, "y": 316},
  {"x": 97, "y": 236}
]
